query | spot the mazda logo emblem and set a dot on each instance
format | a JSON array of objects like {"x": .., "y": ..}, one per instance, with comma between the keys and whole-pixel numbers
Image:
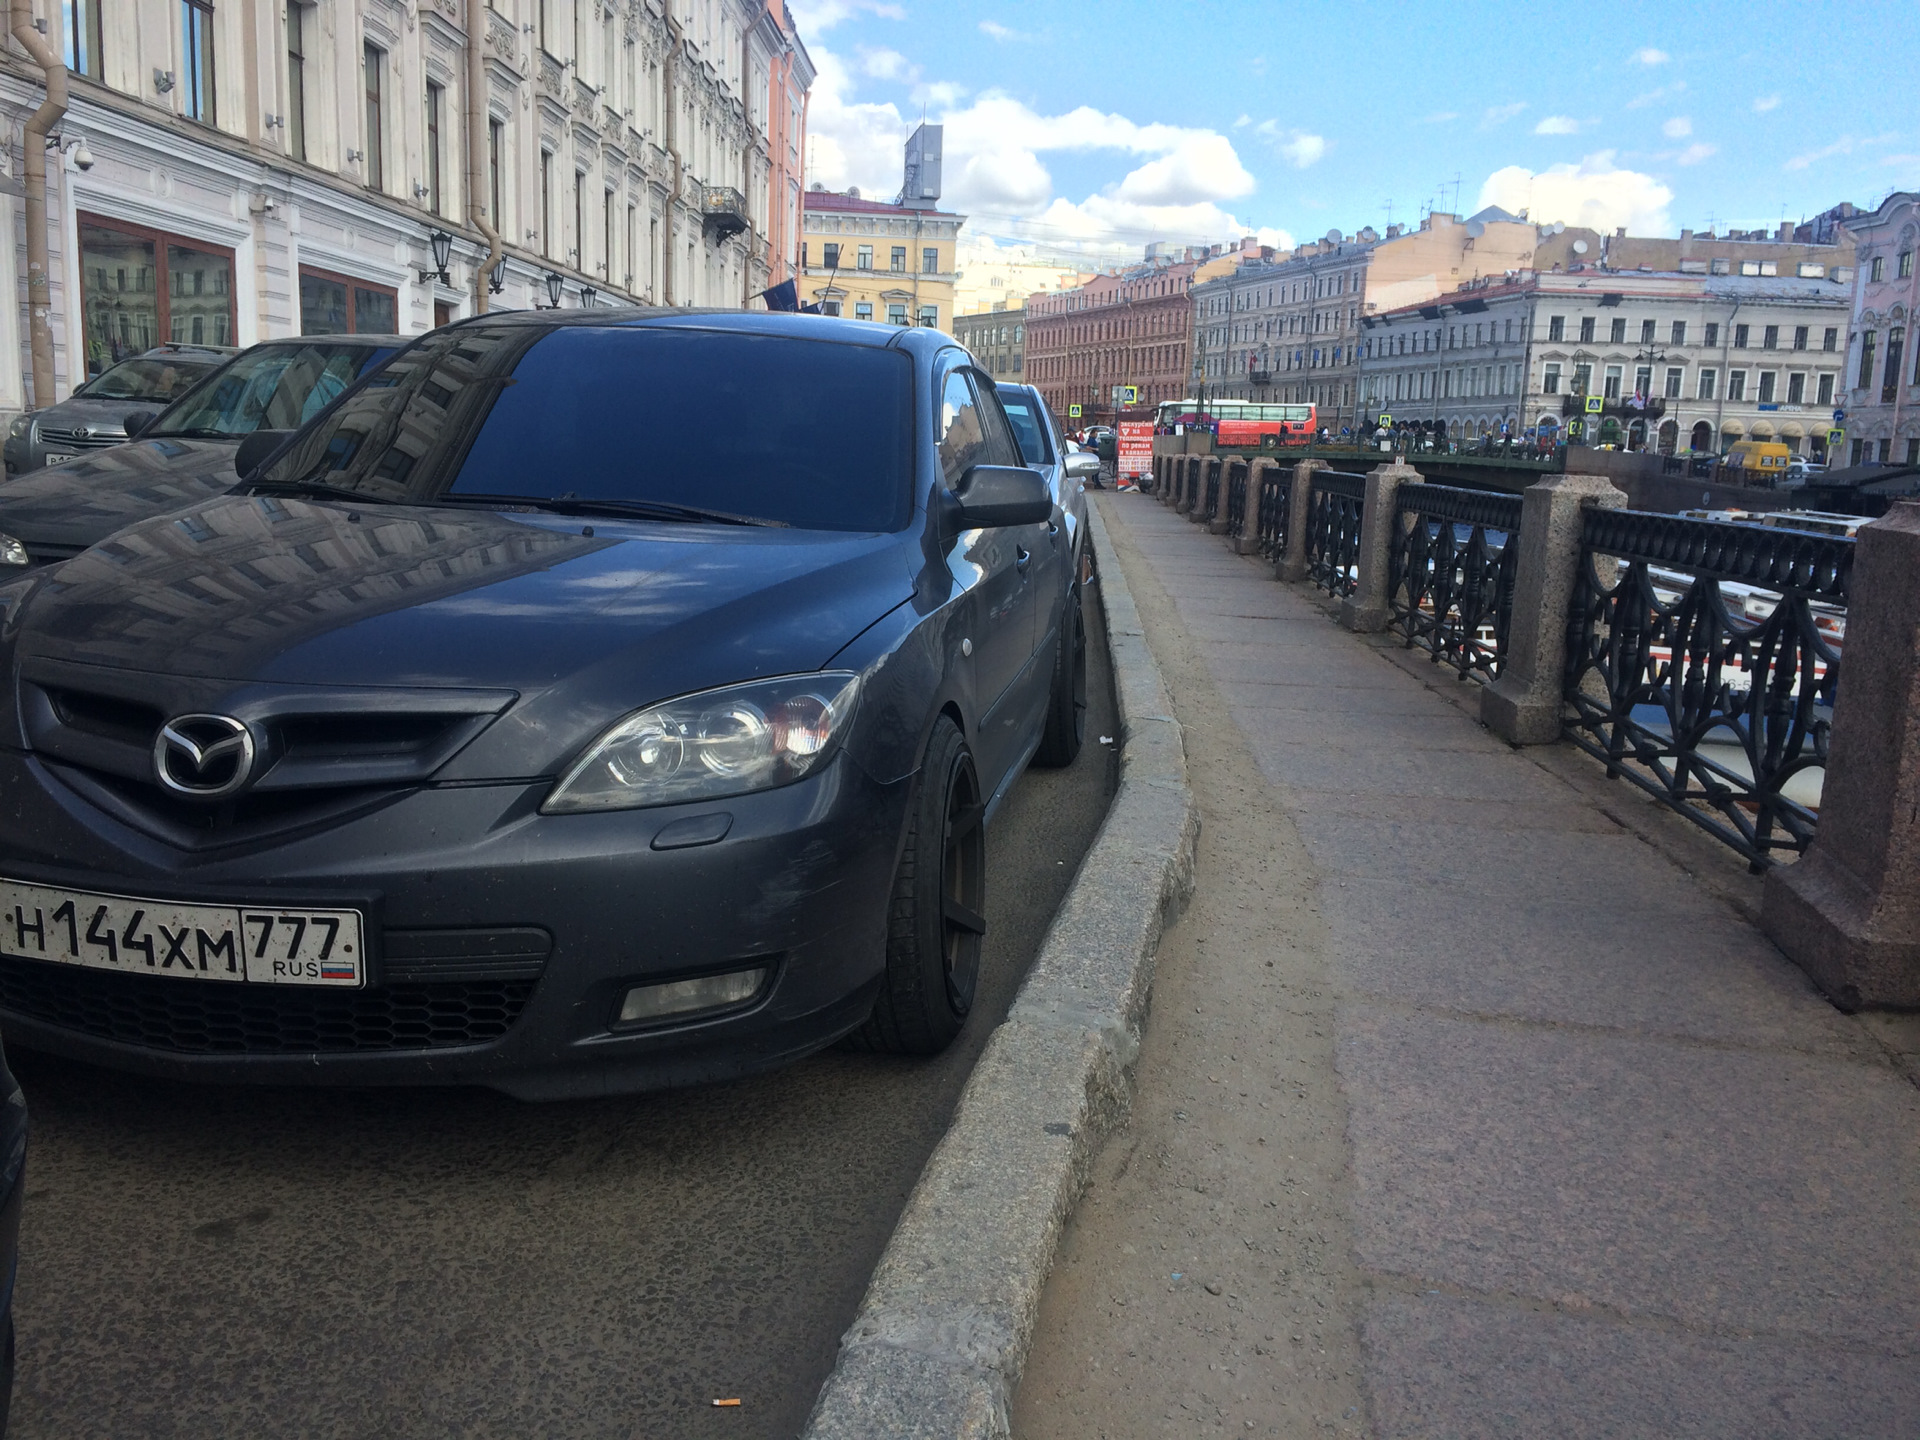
[{"x": 205, "y": 756}]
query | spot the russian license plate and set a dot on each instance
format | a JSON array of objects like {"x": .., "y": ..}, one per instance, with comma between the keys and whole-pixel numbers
[
  {"x": 53, "y": 459},
  {"x": 263, "y": 945}
]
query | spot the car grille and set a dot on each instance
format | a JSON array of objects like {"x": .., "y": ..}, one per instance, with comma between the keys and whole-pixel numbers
[
  {"x": 203, "y": 1018},
  {"x": 78, "y": 439}
]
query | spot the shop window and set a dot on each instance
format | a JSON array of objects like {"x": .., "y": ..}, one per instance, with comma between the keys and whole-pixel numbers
[
  {"x": 139, "y": 287},
  {"x": 81, "y": 19},
  {"x": 196, "y": 57},
  {"x": 340, "y": 305}
]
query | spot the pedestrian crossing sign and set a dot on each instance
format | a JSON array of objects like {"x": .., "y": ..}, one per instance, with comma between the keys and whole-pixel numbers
[
  {"x": 1385, "y": 421},
  {"x": 1594, "y": 403},
  {"x": 1073, "y": 412}
]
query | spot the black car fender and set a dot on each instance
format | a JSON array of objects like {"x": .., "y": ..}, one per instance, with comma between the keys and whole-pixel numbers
[{"x": 908, "y": 679}]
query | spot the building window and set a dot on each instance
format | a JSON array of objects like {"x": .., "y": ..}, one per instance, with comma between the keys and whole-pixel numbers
[
  {"x": 1646, "y": 332},
  {"x": 1679, "y": 333},
  {"x": 1799, "y": 337},
  {"x": 340, "y": 305},
  {"x": 139, "y": 287},
  {"x": 1877, "y": 270},
  {"x": 1736, "y": 385},
  {"x": 1586, "y": 329},
  {"x": 863, "y": 258},
  {"x": 930, "y": 316},
  {"x": 1767, "y": 379},
  {"x": 375, "y": 138},
  {"x": 296, "y": 116},
  {"x": 896, "y": 312},
  {"x": 1770, "y": 338},
  {"x": 436, "y": 101},
  {"x": 546, "y": 203},
  {"x": 1824, "y": 394},
  {"x": 196, "y": 55},
  {"x": 493, "y": 172},
  {"x": 1713, "y": 335},
  {"x": 863, "y": 309},
  {"x": 1896, "y": 349},
  {"x": 1868, "y": 340},
  {"x": 1556, "y": 327},
  {"x": 1740, "y": 337},
  {"x": 1550, "y": 381},
  {"x": 1797, "y": 388},
  {"x": 1612, "y": 381},
  {"x": 930, "y": 261},
  {"x": 829, "y": 307},
  {"x": 1707, "y": 383},
  {"x": 1906, "y": 264},
  {"x": 1617, "y": 333},
  {"x": 899, "y": 259},
  {"x": 1582, "y": 378},
  {"x": 579, "y": 220},
  {"x": 830, "y": 257},
  {"x": 82, "y": 22},
  {"x": 1675, "y": 378}
]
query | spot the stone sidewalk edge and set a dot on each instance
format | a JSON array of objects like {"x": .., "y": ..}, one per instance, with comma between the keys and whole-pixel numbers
[{"x": 943, "y": 1333}]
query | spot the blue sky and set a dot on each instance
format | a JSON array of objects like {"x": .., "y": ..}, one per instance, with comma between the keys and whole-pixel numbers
[{"x": 1114, "y": 124}]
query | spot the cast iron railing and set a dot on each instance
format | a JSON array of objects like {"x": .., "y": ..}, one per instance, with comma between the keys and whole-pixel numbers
[
  {"x": 1451, "y": 558},
  {"x": 1272, "y": 509},
  {"x": 1210, "y": 495},
  {"x": 1333, "y": 531},
  {"x": 1702, "y": 662},
  {"x": 1236, "y": 497}
]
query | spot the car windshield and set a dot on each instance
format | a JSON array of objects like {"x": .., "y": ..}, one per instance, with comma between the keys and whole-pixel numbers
[
  {"x": 781, "y": 430},
  {"x": 1028, "y": 423},
  {"x": 148, "y": 377},
  {"x": 271, "y": 387}
]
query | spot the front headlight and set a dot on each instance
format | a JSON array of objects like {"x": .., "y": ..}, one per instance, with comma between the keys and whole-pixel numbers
[
  {"x": 21, "y": 425},
  {"x": 12, "y": 552},
  {"x": 719, "y": 742}
]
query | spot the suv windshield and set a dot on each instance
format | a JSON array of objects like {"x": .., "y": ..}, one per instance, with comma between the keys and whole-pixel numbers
[
  {"x": 805, "y": 432},
  {"x": 273, "y": 387},
  {"x": 1029, "y": 424},
  {"x": 148, "y": 377}
]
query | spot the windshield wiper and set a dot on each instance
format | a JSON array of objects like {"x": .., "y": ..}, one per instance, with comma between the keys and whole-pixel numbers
[
  {"x": 636, "y": 509},
  {"x": 195, "y": 434},
  {"x": 318, "y": 490}
]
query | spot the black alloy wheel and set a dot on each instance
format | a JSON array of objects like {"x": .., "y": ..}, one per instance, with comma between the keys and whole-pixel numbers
[
  {"x": 937, "y": 917},
  {"x": 1066, "y": 725}
]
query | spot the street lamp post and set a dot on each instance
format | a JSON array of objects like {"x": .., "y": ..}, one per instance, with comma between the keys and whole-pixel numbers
[
  {"x": 554, "y": 282},
  {"x": 442, "y": 245}
]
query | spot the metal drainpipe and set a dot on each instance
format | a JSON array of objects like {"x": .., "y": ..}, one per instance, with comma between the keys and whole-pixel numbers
[
  {"x": 667, "y": 118},
  {"x": 39, "y": 293},
  {"x": 479, "y": 191}
]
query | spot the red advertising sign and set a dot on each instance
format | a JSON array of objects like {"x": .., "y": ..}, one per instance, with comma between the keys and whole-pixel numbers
[{"x": 1136, "y": 448}]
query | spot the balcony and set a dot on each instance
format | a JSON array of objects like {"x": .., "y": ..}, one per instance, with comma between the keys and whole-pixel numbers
[
  {"x": 723, "y": 210},
  {"x": 1650, "y": 409}
]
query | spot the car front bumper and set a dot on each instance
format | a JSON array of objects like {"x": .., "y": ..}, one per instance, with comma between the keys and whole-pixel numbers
[{"x": 506, "y": 939}]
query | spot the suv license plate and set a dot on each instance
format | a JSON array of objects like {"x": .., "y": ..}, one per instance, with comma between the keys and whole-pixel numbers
[
  {"x": 260, "y": 944},
  {"x": 55, "y": 459}
]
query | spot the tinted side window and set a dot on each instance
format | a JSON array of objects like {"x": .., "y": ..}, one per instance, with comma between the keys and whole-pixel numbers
[
  {"x": 1029, "y": 427},
  {"x": 1002, "y": 448}
]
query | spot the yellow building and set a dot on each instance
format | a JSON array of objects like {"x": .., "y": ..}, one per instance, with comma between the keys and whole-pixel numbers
[{"x": 873, "y": 260}]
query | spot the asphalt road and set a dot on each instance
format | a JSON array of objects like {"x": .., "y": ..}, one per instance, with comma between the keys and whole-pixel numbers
[{"x": 208, "y": 1262}]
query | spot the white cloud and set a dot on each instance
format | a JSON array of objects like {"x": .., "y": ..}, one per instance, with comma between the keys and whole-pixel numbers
[
  {"x": 994, "y": 30},
  {"x": 1499, "y": 114},
  {"x": 1845, "y": 145},
  {"x": 1595, "y": 193},
  {"x": 1678, "y": 128},
  {"x": 1654, "y": 97},
  {"x": 1557, "y": 125},
  {"x": 1298, "y": 148},
  {"x": 1766, "y": 103},
  {"x": 1695, "y": 153},
  {"x": 884, "y": 64},
  {"x": 817, "y": 16},
  {"x": 1651, "y": 56},
  {"x": 1243, "y": 122}
]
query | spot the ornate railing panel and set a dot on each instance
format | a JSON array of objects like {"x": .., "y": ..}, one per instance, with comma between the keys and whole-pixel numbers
[
  {"x": 1236, "y": 497},
  {"x": 1702, "y": 662},
  {"x": 1210, "y": 497},
  {"x": 1451, "y": 561},
  {"x": 1273, "y": 508},
  {"x": 1333, "y": 530}
]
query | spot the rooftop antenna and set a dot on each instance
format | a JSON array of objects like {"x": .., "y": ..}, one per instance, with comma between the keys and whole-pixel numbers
[{"x": 1456, "y": 192}]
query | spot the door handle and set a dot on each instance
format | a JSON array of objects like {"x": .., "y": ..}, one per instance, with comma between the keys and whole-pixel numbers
[
  {"x": 1053, "y": 531},
  {"x": 1020, "y": 559}
]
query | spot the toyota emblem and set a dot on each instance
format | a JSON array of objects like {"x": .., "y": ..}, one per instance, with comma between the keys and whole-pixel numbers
[{"x": 204, "y": 756}]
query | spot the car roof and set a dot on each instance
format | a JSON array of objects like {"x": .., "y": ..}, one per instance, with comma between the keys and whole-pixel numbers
[
  {"x": 323, "y": 340},
  {"x": 916, "y": 338},
  {"x": 170, "y": 350}
]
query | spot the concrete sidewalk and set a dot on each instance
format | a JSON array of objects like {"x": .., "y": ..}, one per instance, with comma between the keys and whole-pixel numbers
[{"x": 1471, "y": 1103}]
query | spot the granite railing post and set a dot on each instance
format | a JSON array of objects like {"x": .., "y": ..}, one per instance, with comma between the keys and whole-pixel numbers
[
  {"x": 1291, "y": 563},
  {"x": 1174, "y": 464},
  {"x": 1369, "y": 609},
  {"x": 1248, "y": 540},
  {"x": 1203, "y": 476},
  {"x": 1848, "y": 911},
  {"x": 1183, "y": 487},
  {"x": 1525, "y": 705},
  {"x": 1218, "y": 524}
]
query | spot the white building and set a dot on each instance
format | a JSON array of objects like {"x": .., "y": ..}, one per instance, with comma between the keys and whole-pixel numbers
[
  {"x": 264, "y": 168},
  {"x": 1883, "y": 362},
  {"x": 1676, "y": 361}
]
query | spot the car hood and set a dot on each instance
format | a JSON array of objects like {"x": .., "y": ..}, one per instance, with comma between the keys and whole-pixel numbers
[
  {"x": 563, "y": 625},
  {"x": 71, "y": 505},
  {"x": 86, "y": 410}
]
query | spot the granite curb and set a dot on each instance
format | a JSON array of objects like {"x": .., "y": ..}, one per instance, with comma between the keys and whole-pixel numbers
[{"x": 943, "y": 1333}]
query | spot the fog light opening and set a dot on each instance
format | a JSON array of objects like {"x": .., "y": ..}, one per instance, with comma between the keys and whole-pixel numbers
[{"x": 685, "y": 997}]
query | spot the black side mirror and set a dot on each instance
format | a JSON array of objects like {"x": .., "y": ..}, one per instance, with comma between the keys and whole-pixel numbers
[
  {"x": 992, "y": 496},
  {"x": 138, "y": 423},
  {"x": 256, "y": 448}
]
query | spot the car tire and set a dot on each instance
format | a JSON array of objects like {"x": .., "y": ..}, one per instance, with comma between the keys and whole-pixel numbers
[
  {"x": 936, "y": 917},
  {"x": 1067, "y": 701},
  {"x": 6, "y": 1380}
]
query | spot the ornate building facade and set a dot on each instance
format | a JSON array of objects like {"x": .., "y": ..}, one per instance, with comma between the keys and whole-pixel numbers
[
  {"x": 230, "y": 172},
  {"x": 1882, "y": 403},
  {"x": 875, "y": 260}
]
